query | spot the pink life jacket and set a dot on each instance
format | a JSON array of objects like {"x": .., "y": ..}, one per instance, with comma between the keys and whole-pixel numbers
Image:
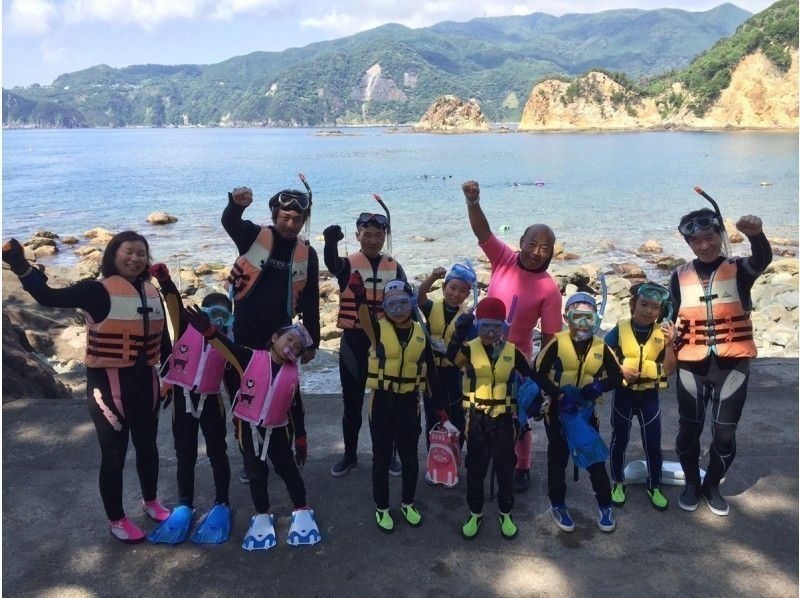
[
  {"x": 262, "y": 400},
  {"x": 195, "y": 365}
]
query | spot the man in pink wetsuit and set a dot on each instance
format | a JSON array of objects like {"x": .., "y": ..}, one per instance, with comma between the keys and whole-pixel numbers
[{"x": 522, "y": 273}]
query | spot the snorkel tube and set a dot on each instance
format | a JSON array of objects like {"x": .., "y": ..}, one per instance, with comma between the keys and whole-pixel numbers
[
  {"x": 726, "y": 243},
  {"x": 601, "y": 312},
  {"x": 469, "y": 265},
  {"x": 389, "y": 223},
  {"x": 307, "y": 226}
]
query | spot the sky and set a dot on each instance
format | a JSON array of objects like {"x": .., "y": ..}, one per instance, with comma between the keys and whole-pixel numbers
[{"x": 45, "y": 38}]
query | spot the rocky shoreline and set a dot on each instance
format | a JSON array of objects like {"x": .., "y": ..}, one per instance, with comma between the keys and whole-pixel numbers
[{"x": 48, "y": 344}]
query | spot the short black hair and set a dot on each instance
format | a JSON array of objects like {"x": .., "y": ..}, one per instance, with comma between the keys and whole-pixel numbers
[
  {"x": 107, "y": 266},
  {"x": 217, "y": 299}
]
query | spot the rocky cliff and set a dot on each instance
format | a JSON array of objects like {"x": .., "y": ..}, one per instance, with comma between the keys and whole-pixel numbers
[
  {"x": 759, "y": 96},
  {"x": 452, "y": 114}
]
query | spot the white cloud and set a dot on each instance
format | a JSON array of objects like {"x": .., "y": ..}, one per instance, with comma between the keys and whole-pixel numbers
[
  {"x": 52, "y": 54},
  {"x": 31, "y": 17}
]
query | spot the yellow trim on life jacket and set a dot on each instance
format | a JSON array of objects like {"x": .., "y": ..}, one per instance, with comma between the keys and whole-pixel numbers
[{"x": 569, "y": 367}]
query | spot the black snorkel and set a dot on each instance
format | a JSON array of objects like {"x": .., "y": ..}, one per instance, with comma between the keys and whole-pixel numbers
[
  {"x": 388, "y": 223},
  {"x": 726, "y": 243}
]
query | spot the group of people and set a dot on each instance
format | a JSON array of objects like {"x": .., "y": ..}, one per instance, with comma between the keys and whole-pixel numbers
[{"x": 469, "y": 365}]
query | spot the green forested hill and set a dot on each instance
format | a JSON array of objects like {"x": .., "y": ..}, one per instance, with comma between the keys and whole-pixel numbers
[{"x": 495, "y": 60}]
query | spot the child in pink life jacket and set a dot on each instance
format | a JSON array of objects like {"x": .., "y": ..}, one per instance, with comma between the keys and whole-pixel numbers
[
  {"x": 267, "y": 411},
  {"x": 193, "y": 376}
]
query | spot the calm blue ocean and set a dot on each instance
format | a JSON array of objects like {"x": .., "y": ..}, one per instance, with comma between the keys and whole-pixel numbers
[{"x": 627, "y": 187}]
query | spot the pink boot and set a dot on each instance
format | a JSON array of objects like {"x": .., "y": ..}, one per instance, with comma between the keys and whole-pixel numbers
[
  {"x": 124, "y": 530},
  {"x": 155, "y": 511}
]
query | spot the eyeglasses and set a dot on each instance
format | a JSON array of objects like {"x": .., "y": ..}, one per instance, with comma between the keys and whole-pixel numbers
[
  {"x": 581, "y": 318},
  {"x": 289, "y": 200},
  {"x": 367, "y": 218},
  {"x": 692, "y": 225},
  {"x": 490, "y": 327}
]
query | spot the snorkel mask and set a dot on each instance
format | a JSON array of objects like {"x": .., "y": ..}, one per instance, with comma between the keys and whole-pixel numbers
[
  {"x": 292, "y": 199},
  {"x": 305, "y": 340},
  {"x": 655, "y": 292},
  {"x": 219, "y": 316},
  {"x": 398, "y": 306},
  {"x": 582, "y": 322}
]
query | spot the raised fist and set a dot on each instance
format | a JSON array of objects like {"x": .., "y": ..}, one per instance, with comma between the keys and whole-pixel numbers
[
  {"x": 333, "y": 234},
  {"x": 241, "y": 196},
  {"x": 438, "y": 273},
  {"x": 472, "y": 191},
  {"x": 749, "y": 225},
  {"x": 159, "y": 271},
  {"x": 14, "y": 256}
]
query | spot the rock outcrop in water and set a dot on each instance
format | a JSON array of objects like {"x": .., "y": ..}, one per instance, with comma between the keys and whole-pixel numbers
[
  {"x": 759, "y": 96},
  {"x": 451, "y": 114}
]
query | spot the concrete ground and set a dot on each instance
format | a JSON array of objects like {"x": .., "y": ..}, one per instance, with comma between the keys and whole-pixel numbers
[{"x": 55, "y": 541}]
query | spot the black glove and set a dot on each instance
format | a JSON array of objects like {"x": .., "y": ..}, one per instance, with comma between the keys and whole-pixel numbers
[
  {"x": 592, "y": 391},
  {"x": 463, "y": 324},
  {"x": 14, "y": 256},
  {"x": 333, "y": 234},
  {"x": 199, "y": 320}
]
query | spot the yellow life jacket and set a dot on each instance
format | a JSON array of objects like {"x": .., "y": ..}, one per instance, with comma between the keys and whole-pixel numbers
[
  {"x": 440, "y": 331},
  {"x": 569, "y": 368},
  {"x": 250, "y": 265},
  {"x": 642, "y": 357},
  {"x": 134, "y": 323},
  {"x": 395, "y": 367},
  {"x": 489, "y": 387}
]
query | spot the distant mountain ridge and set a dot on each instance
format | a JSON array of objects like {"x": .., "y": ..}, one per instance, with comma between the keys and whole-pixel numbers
[{"x": 390, "y": 74}]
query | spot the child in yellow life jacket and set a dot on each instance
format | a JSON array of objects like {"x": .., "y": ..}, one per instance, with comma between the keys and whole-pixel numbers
[
  {"x": 441, "y": 316},
  {"x": 400, "y": 366},
  {"x": 490, "y": 365},
  {"x": 575, "y": 368},
  {"x": 646, "y": 351}
]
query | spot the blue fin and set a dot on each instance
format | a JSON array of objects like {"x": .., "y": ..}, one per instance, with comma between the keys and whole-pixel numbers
[
  {"x": 304, "y": 530},
  {"x": 175, "y": 528},
  {"x": 215, "y": 526}
]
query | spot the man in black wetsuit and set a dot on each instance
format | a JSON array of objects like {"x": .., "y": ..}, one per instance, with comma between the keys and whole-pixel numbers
[
  {"x": 711, "y": 300},
  {"x": 376, "y": 269},
  {"x": 276, "y": 275}
]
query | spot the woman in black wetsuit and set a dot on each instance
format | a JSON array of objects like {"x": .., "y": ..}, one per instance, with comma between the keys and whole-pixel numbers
[{"x": 125, "y": 339}]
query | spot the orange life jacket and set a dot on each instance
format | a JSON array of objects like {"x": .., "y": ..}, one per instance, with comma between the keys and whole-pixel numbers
[
  {"x": 133, "y": 323},
  {"x": 250, "y": 265},
  {"x": 374, "y": 281},
  {"x": 711, "y": 316}
]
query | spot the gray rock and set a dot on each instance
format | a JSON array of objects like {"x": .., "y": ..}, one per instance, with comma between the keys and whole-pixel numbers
[{"x": 159, "y": 218}]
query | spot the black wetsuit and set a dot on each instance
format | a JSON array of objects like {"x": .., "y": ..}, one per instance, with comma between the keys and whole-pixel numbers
[
  {"x": 264, "y": 310},
  {"x": 394, "y": 422},
  {"x": 212, "y": 420},
  {"x": 701, "y": 382},
  {"x": 490, "y": 439},
  {"x": 139, "y": 394},
  {"x": 558, "y": 453},
  {"x": 353, "y": 354},
  {"x": 252, "y": 438}
]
